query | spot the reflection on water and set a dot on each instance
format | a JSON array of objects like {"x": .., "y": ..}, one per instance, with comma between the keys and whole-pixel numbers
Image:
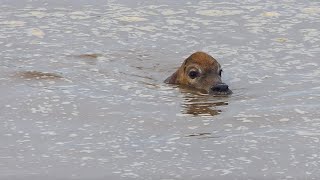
[
  {"x": 201, "y": 104},
  {"x": 89, "y": 56},
  {"x": 38, "y": 75},
  {"x": 90, "y": 59}
]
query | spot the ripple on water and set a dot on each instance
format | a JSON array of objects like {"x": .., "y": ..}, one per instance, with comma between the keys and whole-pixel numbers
[{"x": 29, "y": 75}]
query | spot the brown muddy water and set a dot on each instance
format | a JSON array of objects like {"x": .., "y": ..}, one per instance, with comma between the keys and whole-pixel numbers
[{"x": 82, "y": 92}]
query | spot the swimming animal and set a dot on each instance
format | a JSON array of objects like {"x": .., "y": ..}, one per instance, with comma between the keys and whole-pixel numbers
[{"x": 202, "y": 72}]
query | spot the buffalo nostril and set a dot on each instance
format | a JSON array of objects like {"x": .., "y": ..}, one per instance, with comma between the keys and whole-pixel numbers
[{"x": 220, "y": 88}]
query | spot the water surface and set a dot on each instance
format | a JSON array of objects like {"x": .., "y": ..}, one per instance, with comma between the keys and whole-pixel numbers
[{"x": 83, "y": 94}]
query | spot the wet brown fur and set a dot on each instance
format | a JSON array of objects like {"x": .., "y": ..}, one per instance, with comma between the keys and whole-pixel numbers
[{"x": 208, "y": 66}]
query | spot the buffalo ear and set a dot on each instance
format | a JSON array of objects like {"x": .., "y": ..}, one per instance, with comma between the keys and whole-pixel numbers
[{"x": 172, "y": 79}]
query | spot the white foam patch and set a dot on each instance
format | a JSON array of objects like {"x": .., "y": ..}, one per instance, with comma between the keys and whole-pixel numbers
[
  {"x": 308, "y": 133},
  {"x": 13, "y": 23},
  {"x": 311, "y": 10},
  {"x": 50, "y": 133},
  {"x": 131, "y": 19},
  {"x": 219, "y": 12},
  {"x": 300, "y": 111}
]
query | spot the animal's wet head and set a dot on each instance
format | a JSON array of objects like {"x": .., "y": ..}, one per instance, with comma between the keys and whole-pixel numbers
[{"x": 201, "y": 71}]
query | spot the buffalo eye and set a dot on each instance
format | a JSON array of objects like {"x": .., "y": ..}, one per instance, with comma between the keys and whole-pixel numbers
[
  {"x": 220, "y": 72},
  {"x": 193, "y": 74}
]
